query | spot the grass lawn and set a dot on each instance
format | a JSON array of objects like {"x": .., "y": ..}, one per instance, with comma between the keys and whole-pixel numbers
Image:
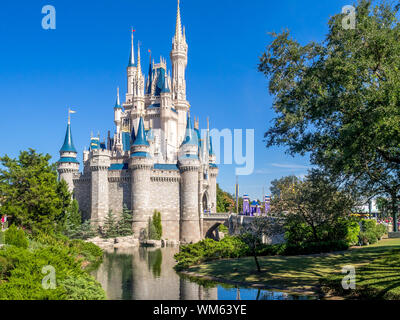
[{"x": 293, "y": 273}]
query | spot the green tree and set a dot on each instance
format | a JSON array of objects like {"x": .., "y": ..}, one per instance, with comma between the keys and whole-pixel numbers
[
  {"x": 125, "y": 224},
  {"x": 86, "y": 230},
  {"x": 225, "y": 201},
  {"x": 312, "y": 208},
  {"x": 253, "y": 233},
  {"x": 31, "y": 193},
  {"x": 73, "y": 221},
  {"x": 110, "y": 228},
  {"x": 338, "y": 100},
  {"x": 157, "y": 224},
  {"x": 282, "y": 184}
]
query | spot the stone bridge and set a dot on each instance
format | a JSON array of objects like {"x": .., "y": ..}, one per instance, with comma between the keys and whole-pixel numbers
[{"x": 211, "y": 222}]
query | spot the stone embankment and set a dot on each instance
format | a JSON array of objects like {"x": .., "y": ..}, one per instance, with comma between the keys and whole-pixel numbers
[{"x": 130, "y": 242}]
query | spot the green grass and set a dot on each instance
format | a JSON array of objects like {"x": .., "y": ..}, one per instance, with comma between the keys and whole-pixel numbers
[
  {"x": 293, "y": 273},
  {"x": 380, "y": 279}
]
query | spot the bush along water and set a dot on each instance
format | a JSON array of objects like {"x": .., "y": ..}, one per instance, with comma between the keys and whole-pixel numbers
[
  {"x": 27, "y": 273},
  {"x": 299, "y": 241}
]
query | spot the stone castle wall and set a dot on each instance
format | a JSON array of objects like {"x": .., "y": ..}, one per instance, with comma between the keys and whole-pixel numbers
[{"x": 163, "y": 190}]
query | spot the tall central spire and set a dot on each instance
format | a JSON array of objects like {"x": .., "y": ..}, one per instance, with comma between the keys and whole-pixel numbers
[
  {"x": 178, "y": 28},
  {"x": 132, "y": 55},
  {"x": 139, "y": 67}
]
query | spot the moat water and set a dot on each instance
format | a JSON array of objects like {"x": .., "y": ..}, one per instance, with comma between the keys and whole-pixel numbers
[{"x": 148, "y": 274}]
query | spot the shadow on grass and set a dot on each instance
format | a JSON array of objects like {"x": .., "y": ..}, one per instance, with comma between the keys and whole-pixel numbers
[{"x": 292, "y": 272}]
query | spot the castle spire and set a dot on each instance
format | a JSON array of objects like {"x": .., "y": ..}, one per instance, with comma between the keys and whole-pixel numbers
[
  {"x": 132, "y": 54},
  {"x": 150, "y": 76},
  {"x": 117, "y": 102},
  {"x": 139, "y": 67},
  {"x": 190, "y": 136},
  {"x": 68, "y": 145},
  {"x": 178, "y": 27},
  {"x": 140, "y": 139}
]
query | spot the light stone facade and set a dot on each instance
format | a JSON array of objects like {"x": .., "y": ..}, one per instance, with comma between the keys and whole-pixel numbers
[{"x": 156, "y": 159}]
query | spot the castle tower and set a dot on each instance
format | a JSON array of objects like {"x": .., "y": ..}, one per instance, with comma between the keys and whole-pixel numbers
[
  {"x": 100, "y": 160},
  {"x": 131, "y": 71},
  {"x": 179, "y": 59},
  {"x": 213, "y": 171},
  {"x": 189, "y": 164},
  {"x": 68, "y": 165},
  {"x": 117, "y": 121},
  {"x": 140, "y": 165}
]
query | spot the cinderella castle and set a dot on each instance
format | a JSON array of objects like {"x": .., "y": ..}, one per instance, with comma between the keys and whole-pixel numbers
[{"x": 156, "y": 159}]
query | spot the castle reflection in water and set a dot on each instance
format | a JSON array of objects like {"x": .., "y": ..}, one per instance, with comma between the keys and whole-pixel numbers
[{"x": 147, "y": 274}]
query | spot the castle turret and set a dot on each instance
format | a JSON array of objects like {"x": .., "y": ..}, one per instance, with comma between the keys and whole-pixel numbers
[
  {"x": 99, "y": 165},
  {"x": 131, "y": 71},
  {"x": 189, "y": 164},
  {"x": 179, "y": 55},
  {"x": 117, "y": 121},
  {"x": 213, "y": 172},
  {"x": 68, "y": 165},
  {"x": 140, "y": 165}
]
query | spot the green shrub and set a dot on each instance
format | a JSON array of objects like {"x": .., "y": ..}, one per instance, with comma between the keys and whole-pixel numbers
[
  {"x": 369, "y": 232},
  {"x": 16, "y": 237},
  {"x": 2, "y": 238},
  {"x": 381, "y": 230},
  {"x": 208, "y": 249},
  {"x": 223, "y": 228},
  {"x": 157, "y": 224},
  {"x": 24, "y": 271},
  {"x": 83, "y": 288}
]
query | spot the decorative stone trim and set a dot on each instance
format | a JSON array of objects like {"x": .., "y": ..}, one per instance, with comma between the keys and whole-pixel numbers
[
  {"x": 165, "y": 179},
  {"x": 99, "y": 168},
  {"x": 141, "y": 167},
  {"x": 188, "y": 168},
  {"x": 67, "y": 170},
  {"x": 82, "y": 180},
  {"x": 119, "y": 179}
]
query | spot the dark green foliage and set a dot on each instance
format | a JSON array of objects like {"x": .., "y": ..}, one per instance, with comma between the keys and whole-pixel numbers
[
  {"x": 2, "y": 237},
  {"x": 125, "y": 224},
  {"x": 87, "y": 230},
  {"x": 225, "y": 201},
  {"x": 23, "y": 270},
  {"x": 151, "y": 230},
  {"x": 157, "y": 224},
  {"x": 338, "y": 100},
  {"x": 73, "y": 220},
  {"x": 83, "y": 288},
  {"x": 223, "y": 228},
  {"x": 31, "y": 194},
  {"x": 110, "y": 227},
  {"x": 16, "y": 237},
  {"x": 154, "y": 228},
  {"x": 208, "y": 249},
  {"x": 371, "y": 232}
]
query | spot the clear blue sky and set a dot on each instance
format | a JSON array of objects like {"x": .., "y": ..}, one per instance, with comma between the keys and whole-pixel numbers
[{"x": 81, "y": 63}]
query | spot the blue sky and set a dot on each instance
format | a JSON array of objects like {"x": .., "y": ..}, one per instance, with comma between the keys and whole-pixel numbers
[{"x": 81, "y": 63}]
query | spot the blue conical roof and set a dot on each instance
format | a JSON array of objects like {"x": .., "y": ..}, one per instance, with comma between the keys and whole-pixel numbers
[
  {"x": 210, "y": 151},
  {"x": 190, "y": 136},
  {"x": 150, "y": 78},
  {"x": 133, "y": 134},
  {"x": 140, "y": 139},
  {"x": 68, "y": 145}
]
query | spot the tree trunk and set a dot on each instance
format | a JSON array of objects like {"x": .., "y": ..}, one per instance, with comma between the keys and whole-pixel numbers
[
  {"x": 394, "y": 214},
  {"x": 256, "y": 260}
]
